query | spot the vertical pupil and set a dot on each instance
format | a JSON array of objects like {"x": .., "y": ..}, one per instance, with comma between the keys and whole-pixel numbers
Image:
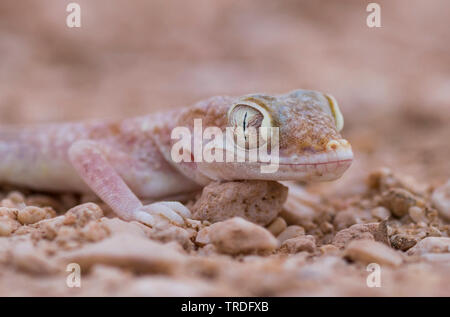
[
  {"x": 244, "y": 123},
  {"x": 246, "y": 117}
]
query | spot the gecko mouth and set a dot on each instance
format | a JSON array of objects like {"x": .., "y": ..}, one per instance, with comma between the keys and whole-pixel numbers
[
  {"x": 328, "y": 165},
  {"x": 323, "y": 166},
  {"x": 328, "y": 158},
  {"x": 317, "y": 167},
  {"x": 327, "y": 170}
]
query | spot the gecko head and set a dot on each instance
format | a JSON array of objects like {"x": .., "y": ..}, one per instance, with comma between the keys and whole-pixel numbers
[{"x": 308, "y": 144}]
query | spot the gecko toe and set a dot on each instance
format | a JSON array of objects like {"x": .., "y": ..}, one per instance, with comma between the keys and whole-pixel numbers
[
  {"x": 179, "y": 208},
  {"x": 145, "y": 218},
  {"x": 161, "y": 209}
]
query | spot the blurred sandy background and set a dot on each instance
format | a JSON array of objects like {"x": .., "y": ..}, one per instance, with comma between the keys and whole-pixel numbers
[{"x": 135, "y": 57}]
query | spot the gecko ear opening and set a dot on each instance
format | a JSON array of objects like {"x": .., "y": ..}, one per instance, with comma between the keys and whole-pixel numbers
[{"x": 336, "y": 112}]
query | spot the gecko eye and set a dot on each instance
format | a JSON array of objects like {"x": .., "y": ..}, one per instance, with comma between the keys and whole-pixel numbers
[
  {"x": 246, "y": 119},
  {"x": 335, "y": 112}
]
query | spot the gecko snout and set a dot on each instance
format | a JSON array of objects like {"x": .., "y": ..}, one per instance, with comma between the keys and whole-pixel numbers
[
  {"x": 341, "y": 148},
  {"x": 338, "y": 144}
]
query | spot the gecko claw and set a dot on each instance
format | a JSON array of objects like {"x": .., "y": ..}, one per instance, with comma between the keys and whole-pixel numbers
[{"x": 172, "y": 211}]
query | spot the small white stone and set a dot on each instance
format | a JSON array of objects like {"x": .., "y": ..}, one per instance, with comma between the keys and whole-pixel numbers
[
  {"x": 431, "y": 245},
  {"x": 441, "y": 200},
  {"x": 417, "y": 214},
  {"x": 277, "y": 226},
  {"x": 202, "y": 237},
  {"x": 380, "y": 213},
  {"x": 290, "y": 232},
  {"x": 239, "y": 236},
  {"x": 368, "y": 251}
]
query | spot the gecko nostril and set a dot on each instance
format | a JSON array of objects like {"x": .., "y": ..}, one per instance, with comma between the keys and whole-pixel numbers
[{"x": 332, "y": 145}]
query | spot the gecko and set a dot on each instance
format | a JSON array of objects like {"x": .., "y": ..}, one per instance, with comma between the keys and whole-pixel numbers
[{"x": 126, "y": 161}]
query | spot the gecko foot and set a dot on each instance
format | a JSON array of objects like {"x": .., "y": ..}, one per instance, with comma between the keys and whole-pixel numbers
[{"x": 171, "y": 211}]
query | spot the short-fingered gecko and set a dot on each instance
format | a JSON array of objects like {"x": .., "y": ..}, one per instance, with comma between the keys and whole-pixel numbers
[{"x": 123, "y": 160}]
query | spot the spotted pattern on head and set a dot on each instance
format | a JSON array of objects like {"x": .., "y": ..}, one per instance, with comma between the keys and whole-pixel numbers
[
  {"x": 304, "y": 117},
  {"x": 305, "y": 120}
]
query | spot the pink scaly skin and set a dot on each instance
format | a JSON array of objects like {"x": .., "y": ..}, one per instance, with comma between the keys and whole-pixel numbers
[{"x": 121, "y": 161}]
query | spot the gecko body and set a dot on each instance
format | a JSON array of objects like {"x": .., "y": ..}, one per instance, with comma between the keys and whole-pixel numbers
[{"x": 123, "y": 160}]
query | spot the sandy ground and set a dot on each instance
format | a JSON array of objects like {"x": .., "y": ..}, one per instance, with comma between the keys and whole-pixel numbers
[{"x": 393, "y": 86}]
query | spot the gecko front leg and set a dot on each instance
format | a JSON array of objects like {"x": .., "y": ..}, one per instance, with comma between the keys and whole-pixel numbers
[{"x": 91, "y": 162}]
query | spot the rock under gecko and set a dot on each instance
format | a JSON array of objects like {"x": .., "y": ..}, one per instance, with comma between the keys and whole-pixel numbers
[{"x": 122, "y": 160}]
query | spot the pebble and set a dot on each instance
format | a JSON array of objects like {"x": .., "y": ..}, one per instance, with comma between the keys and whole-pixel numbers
[
  {"x": 326, "y": 227},
  {"x": 380, "y": 213},
  {"x": 49, "y": 227},
  {"x": 202, "y": 237},
  {"x": 256, "y": 201},
  {"x": 277, "y": 226},
  {"x": 381, "y": 179},
  {"x": 368, "y": 251},
  {"x": 82, "y": 214},
  {"x": 239, "y": 236},
  {"x": 355, "y": 232},
  {"x": 441, "y": 200},
  {"x": 329, "y": 249},
  {"x": 127, "y": 251},
  {"x": 9, "y": 212},
  {"x": 291, "y": 232},
  {"x": 94, "y": 231},
  {"x": 17, "y": 199},
  {"x": 346, "y": 218},
  {"x": 296, "y": 212},
  {"x": 398, "y": 201},
  {"x": 176, "y": 234},
  {"x": 402, "y": 242},
  {"x": 32, "y": 214},
  {"x": 299, "y": 244},
  {"x": 417, "y": 214},
  {"x": 119, "y": 226},
  {"x": 8, "y": 226},
  {"x": 431, "y": 245}
]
